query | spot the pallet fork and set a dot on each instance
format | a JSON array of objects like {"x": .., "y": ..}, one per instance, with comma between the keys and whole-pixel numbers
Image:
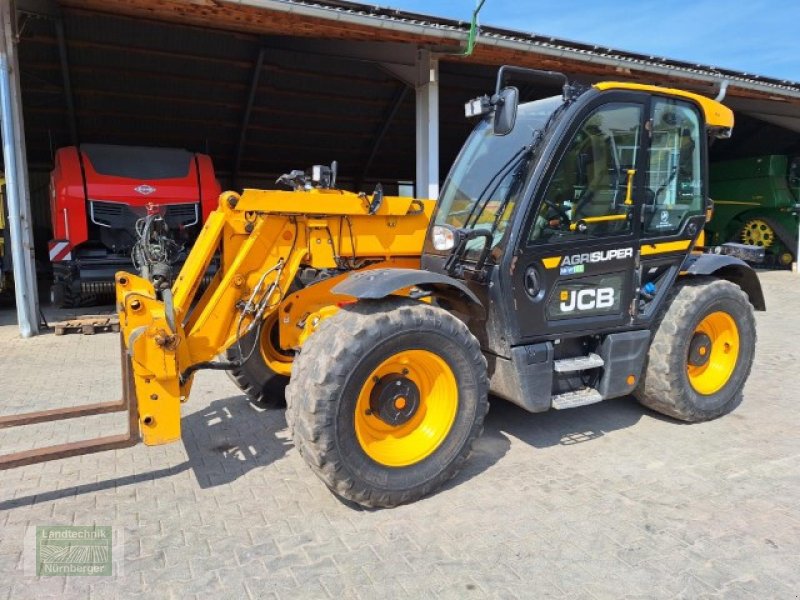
[{"x": 110, "y": 442}]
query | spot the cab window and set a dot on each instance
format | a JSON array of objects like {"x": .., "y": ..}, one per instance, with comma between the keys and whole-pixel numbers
[
  {"x": 674, "y": 178},
  {"x": 589, "y": 194}
]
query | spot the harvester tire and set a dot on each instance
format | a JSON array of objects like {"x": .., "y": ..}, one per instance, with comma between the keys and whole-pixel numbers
[
  {"x": 62, "y": 296},
  {"x": 386, "y": 399},
  {"x": 262, "y": 386},
  {"x": 701, "y": 353}
]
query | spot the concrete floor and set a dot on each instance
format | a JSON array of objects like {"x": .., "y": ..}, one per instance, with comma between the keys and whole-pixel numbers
[{"x": 605, "y": 501}]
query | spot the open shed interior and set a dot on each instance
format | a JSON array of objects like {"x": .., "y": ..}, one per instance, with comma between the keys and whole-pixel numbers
[{"x": 263, "y": 95}]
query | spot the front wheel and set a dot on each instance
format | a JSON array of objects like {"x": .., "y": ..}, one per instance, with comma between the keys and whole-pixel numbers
[
  {"x": 386, "y": 399},
  {"x": 702, "y": 352}
]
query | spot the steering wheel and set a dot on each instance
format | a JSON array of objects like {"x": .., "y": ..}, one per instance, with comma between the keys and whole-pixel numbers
[{"x": 563, "y": 216}]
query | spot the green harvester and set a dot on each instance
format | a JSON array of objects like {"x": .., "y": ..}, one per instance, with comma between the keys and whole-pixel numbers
[{"x": 756, "y": 202}]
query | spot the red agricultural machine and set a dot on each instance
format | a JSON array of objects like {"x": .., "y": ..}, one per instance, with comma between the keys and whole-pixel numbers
[{"x": 100, "y": 195}]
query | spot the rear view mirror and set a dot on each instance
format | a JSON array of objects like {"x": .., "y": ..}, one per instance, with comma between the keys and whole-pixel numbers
[{"x": 505, "y": 110}]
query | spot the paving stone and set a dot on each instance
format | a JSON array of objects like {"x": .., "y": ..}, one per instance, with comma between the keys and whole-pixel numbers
[{"x": 604, "y": 501}]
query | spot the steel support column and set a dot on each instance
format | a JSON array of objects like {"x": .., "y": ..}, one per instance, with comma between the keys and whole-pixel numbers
[
  {"x": 68, "y": 95},
  {"x": 16, "y": 172},
  {"x": 248, "y": 109},
  {"x": 427, "y": 180},
  {"x": 386, "y": 122}
]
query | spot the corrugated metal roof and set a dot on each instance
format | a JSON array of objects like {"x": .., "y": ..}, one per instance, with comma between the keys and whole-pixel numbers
[
  {"x": 454, "y": 29},
  {"x": 145, "y": 82}
]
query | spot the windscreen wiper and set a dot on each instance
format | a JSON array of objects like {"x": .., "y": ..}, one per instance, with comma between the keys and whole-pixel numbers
[
  {"x": 495, "y": 224},
  {"x": 491, "y": 187},
  {"x": 469, "y": 233}
]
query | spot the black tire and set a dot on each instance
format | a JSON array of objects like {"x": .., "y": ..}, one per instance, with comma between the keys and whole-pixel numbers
[
  {"x": 57, "y": 295},
  {"x": 260, "y": 384},
  {"x": 338, "y": 360},
  {"x": 62, "y": 295},
  {"x": 665, "y": 386}
]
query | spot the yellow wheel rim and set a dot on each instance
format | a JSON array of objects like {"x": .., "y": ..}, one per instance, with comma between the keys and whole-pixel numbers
[
  {"x": 276, "y": 360},
  {"x": 430, "y": 408},
  {"x": 758, "y": 233},
  {"x": 715, "y": 351}
]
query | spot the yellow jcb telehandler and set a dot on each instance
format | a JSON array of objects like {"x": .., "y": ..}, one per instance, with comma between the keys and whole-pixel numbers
[{"x": 557, "y": 269}]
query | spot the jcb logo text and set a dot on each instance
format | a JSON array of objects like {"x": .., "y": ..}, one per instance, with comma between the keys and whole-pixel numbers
[{"x": 587, "y": 299}]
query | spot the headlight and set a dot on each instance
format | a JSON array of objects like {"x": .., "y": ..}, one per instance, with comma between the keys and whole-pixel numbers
[{"x": 444, "y": 238}]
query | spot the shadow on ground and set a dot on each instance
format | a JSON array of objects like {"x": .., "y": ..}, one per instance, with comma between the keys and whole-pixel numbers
[
  {"x": 543, "y": 430},
  {"x": 223, "y": 441},
  {"x": 231, "y": 437},
  {"x": 563, "y": 427}
]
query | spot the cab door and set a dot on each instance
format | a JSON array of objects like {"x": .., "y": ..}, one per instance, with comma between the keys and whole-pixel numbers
[
  {"x": 675, "y": 198},
  {"x": 574, "y": 266}
]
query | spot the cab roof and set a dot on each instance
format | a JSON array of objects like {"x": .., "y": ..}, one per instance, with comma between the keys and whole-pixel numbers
[{"x": 717, "y": 116}]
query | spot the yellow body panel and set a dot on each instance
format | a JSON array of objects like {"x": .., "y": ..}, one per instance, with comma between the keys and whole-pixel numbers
[
  {"x": 154, "y": 348},
  {"x": 716, "y": 115},
  {"x": 259, "y": 241},
  {"x": 701, "y": 239},
  {"x": 303, "y": 311},
  {"x": 664, "y": 247}
]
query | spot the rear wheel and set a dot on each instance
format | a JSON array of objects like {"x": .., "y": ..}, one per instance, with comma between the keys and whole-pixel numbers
[
  {"x": 386, "y": 399},
  {"x": 701, "y": 353},
  {"x": 255, "y": 377}
]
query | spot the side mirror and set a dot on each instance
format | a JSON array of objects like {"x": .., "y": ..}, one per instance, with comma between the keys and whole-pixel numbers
[{"x": 505, "y": 110}]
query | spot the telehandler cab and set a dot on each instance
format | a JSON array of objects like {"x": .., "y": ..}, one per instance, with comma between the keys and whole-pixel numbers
[{"x": 557, "y": 269}]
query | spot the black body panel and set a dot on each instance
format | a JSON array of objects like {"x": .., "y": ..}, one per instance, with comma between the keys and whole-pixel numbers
[
  {"x": 624, "y": 355},
  {"x": 730, "y": 268},
  {"x": 379, "y": 283},
  {"x": 526, "y": 379}
]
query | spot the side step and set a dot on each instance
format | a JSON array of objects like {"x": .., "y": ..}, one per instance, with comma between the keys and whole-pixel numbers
[
  {"x": 576, "y": 398},
  {"x": 578, "y": 363}
]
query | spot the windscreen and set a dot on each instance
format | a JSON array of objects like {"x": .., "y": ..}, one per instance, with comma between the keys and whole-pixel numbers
[{"x": 490, "y": 172}]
